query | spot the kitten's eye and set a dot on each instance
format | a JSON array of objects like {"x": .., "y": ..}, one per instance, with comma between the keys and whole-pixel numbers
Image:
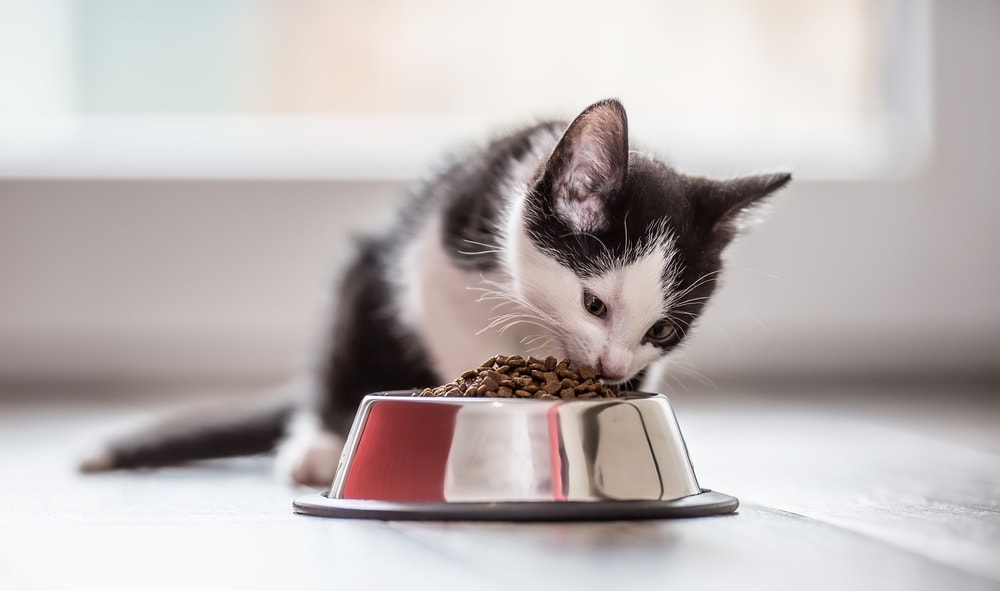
[
  {"x": 661, "y": 332},
  {"x": 594, "y": 305}
]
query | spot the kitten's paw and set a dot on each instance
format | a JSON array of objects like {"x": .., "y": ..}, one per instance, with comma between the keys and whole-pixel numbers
[
  {"x": 309, "y": 455},
  {"x": 318, "y": 465}
]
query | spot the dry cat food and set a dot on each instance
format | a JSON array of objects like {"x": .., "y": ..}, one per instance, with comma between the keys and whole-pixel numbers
[{"x": 517, "y": 377}]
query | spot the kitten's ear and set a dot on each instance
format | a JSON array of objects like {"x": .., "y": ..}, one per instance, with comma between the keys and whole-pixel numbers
[
  {"x": 730, "y": 203},
  {"x": 587, "y": 167}
]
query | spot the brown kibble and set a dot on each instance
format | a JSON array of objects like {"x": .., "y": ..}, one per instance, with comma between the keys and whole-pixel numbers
[{"x": 510, "y": 377}]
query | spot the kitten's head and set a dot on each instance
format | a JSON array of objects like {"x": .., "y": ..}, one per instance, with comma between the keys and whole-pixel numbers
[{"x": 620, "y": 251}]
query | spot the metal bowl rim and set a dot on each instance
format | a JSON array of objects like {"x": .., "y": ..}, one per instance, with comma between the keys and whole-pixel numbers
[
  {"x": 410, "y": 395},
  {"x": 702, "y": 504}
]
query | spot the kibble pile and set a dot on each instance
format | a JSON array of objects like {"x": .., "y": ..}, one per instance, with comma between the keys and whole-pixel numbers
[{"x": 517, "y": 377}]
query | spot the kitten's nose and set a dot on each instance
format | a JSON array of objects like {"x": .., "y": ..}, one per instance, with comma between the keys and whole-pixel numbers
[{"x": 611, "y": 371}]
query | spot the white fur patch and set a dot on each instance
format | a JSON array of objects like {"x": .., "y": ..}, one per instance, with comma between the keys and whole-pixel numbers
[
  {"x": 309, "y": 455},
  {"x": 442, "y": 304}
]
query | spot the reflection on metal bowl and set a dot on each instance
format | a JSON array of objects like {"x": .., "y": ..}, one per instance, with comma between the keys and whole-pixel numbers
[{"x": 515, "y": 459}]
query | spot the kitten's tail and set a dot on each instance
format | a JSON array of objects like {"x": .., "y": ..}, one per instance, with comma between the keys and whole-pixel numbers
[{"x": 207, "y": 433}]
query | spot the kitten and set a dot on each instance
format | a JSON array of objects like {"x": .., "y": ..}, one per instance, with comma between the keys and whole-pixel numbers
[{"x": 554, "y": 240}]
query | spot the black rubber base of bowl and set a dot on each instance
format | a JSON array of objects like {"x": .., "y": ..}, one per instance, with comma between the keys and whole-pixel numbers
[{"x": 705, "y": 503}]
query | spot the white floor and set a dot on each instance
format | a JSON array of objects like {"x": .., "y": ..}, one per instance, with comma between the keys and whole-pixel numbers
[{"x": 842, "y": 486}]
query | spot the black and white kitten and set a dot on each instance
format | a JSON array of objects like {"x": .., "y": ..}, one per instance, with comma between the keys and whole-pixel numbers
[{"x": 554, "y": 240}]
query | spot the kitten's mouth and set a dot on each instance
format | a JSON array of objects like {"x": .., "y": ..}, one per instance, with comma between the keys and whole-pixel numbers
[
  {"x": 615, "y": 382},
  {"x": 609, "y": 380}
]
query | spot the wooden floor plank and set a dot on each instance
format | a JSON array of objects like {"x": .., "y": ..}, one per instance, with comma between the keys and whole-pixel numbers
[{"x": 837, "y": 493}]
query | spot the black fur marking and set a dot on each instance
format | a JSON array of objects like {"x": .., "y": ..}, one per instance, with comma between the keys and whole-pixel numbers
[
  {"x": 649, "y": 210},
  {"x": 217, "y": 432},
  {"x": 368, "y": 350},
  {"x": 475, "y": 192}
]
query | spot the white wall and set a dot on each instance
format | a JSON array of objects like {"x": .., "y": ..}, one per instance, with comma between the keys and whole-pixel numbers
[{"x": 197, "y": 279}]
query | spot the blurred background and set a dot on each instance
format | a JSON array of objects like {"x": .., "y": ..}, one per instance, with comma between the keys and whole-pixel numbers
[{"x": 179, "y": 179}]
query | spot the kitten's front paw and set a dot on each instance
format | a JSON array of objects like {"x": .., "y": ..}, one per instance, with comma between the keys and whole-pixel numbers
[
  {"x": 310, "y": 453},
  {"x": 317, "y": 466}
]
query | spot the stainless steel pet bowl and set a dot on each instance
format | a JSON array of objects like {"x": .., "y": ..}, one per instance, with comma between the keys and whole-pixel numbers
[{"x": 424, "y": 458}]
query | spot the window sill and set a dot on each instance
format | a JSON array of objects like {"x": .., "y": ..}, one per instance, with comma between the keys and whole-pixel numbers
[{"x": 406, "y": 147}]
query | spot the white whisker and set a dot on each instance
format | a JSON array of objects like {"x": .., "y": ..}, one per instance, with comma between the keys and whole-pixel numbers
[
  {"x": 729, "y": 342},
  {"x": 754, "y": 317},
  {"x": 483, "y": 244},
  {"x": 682, "y": 366},
  {"x": 706, "y": 278},
  {"x": 523, "y": 313},
  {"x": 690, "y": 301},
  {"x": 543, "y": 345}
]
